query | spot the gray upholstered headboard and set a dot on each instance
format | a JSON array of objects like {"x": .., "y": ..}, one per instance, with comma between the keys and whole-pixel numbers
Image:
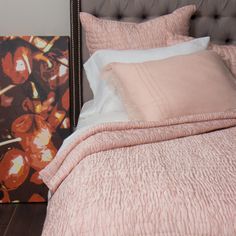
[{"x": 216, "y": 18}]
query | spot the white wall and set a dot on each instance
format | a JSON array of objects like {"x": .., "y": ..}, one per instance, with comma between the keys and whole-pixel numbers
[{"x": 34, "y": 17}]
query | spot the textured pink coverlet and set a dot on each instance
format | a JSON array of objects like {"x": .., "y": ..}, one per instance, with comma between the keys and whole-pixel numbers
[{"x": 177, "y": 177}]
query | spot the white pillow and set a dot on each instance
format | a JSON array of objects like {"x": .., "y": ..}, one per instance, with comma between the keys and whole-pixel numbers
[{"x": 105, "y": 99}]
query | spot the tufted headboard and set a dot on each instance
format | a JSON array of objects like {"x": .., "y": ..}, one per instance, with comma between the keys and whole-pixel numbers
[{"x": 216, "y": 18}]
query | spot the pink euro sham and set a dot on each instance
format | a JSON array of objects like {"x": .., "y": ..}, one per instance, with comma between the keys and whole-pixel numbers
[
  {"x": 108, "y": 34},
  {"x": 173, "y": 87},
  {"x": 227, "y": 52}
]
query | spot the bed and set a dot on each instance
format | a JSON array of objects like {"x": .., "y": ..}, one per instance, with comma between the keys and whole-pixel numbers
[{"x": 148, "y": 176}]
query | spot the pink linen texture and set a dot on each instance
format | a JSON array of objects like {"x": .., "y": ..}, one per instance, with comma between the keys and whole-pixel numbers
[
  {"x": 227, "y": 52},
  {"x": 173, "y": 87},
  {"x": 108, "y": 34},
  {"x": 176, "y": 177}
]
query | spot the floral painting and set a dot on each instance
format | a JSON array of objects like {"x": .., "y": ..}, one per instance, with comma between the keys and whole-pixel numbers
[{"x": 34, "y": 112}]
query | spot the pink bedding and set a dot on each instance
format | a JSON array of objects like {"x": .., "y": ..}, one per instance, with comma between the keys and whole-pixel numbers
[
  {"x": 177, "y": 177},
  {"x": 177, "y": 86}
]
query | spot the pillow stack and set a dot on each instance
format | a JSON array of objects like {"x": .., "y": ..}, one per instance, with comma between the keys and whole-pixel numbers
[{"x": 154, "y": 71}]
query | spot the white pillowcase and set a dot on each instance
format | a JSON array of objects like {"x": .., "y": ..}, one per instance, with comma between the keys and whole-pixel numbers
[{"x": 105, "y": 99}]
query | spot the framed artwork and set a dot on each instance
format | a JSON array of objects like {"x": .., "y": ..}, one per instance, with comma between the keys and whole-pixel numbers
[{"x": 34, "y": 112}]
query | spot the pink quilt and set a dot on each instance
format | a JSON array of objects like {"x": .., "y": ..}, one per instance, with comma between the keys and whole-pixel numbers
[{"x": 145, "y": 178}]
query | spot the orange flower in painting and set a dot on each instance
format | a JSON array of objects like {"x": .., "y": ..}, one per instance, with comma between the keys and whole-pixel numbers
[
  {"x": 39, "y": 107},
  {"x": 33, "y": 130},
  {"x": 65, "y": 101},
  {"x": 14, "y": 169},
  {"x": 65, "y": 123},
  {"x": 18, "y": 66},
  {"x": 40, "y": 159},
  {"x": 36, "y": 198},
  {"x": 54, "y": 73},
  {"x": 35, "y": 178},
  {"x": 36, "y": 136},
  {"x": 56, "y": 117}
]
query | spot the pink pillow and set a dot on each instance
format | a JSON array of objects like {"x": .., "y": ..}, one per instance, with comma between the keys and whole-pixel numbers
[
  {"x": 227, "y": 52},
  {"x": 173, "y": 87},
  {"x": 108, "y": 34}
]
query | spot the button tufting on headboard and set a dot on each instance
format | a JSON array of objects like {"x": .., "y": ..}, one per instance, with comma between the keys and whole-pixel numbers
[
  {"x": 119, "y": 17},
  {"x": 144, "y": 16},
  {"x": 194, "y": 17}
]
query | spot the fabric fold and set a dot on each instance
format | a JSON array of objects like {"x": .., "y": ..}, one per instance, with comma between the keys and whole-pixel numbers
[{"x": 107, "y": 137}]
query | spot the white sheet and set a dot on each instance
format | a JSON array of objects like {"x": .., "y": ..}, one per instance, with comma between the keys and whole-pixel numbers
[
  {"x": 88, "y": 118},
  {"x": 106, "y": 98}
]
